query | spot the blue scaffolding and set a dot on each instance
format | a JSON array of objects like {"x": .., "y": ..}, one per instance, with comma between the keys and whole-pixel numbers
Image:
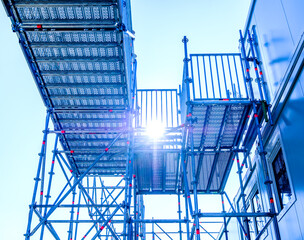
[{"x": 82, "y": 60}]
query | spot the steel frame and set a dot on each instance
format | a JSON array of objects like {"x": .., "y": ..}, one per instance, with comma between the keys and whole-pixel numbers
[
  {"x": 117, "y": 218},
  {"x": 118, "y": 211},
  {"x": 192, "y": 209}
]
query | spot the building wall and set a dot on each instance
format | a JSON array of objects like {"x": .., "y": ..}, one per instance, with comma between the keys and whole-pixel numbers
[{"x": 279, "y": 27}]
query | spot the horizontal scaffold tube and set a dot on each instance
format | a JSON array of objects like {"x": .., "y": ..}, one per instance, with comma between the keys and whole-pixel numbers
[
  {"x": 222, "y": 102},
  {"x": 160, "y": 220},
  {"x": 77, "y": 205},
  {"x": 231, "y": 215}
]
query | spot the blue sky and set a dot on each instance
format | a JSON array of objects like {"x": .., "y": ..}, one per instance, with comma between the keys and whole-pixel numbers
[{"x": 211, "y": 26}]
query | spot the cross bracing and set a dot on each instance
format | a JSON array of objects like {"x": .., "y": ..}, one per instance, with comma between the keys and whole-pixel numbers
[{"x": 82, "y": 60}]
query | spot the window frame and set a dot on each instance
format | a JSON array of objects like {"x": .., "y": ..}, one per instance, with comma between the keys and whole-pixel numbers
[
  {"x": 280, "y": 210},
  {"x": 250, "y": 207}
]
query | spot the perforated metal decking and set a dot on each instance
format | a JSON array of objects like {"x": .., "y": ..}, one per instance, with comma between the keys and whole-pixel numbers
[
  {"x": 81, "y": 59},
  {"x": 219, "y": 108}
]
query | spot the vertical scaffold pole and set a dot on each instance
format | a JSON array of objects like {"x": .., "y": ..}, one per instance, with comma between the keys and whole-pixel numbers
[
  {"x": 179, "y": 215},
  {"x": 153, "y": 233},
  {"x": 128, "y": 182},
  {"x": 243, "y": 195},
  {"x": 37, "y": 179},
  {"x": 188, "y": 203},
  {"x": 225, "y": 220},
  {"x": 48, "y": 194},
  {"x": 135, "y": 210},
  {"x": 259, "y": 76},
  {"x": 72, "y": 214},
  {"x": 189, "y": 126},
  {"x": 261, "y": 150},
  {"x": 187, "y": 217}
]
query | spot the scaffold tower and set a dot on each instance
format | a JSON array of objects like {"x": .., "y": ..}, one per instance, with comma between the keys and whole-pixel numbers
[{"x": 81, "y": 57}]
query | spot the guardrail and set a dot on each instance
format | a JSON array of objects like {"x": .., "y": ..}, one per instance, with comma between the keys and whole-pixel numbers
[
  {"x": 217, "y": 76},
  {"x": 159, "y": 106}
]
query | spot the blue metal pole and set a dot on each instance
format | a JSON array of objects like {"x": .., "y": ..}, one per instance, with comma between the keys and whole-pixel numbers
[
  {"x": 163, "y": 231},
  {"x": 223, "y": 68},
  {"x": 237, "y": 76},
  {"x": 71, "y": 189},
  {"x": 231, "y": 82},
  {"x": 261, "y": 150},
  {"x": 106, "y": 222},
  {"x": 77, "y": 215},
  {"x": 205, "y": 74},
  {"x": 72, "y": 215},
  {"x": 259, "y": 76},
  {"x": 128, "y": 177},
  {"x": 190, "y": 129},
  {"x": 135, "y": 210},
  {"x": 153, "y": 233},
  {"x": 103, "y": 213},
  {"x": 97, "y": 210},
  {"x": 51, "y": 173},
  {"x": 199, "y": 76},
  {"x": 80, "y": 189},
  {"x": 246, "y": 220},
  {"x": 211, "y": 75},
  {"x": 233, "y": 209},
  {"x": 186, "y": 185},
  {"x": 225, "y": 221},
  {"x": 48, "y": 225},
  {"x": 179, "y": 211},
  {"x": 218, "y": 77},
  {"x": 37, "y": 179},
  {"x": 187, "y": 217}
]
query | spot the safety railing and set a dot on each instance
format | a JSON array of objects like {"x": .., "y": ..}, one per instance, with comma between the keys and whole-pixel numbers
[
  {"x": 157, "y": 106},
  {"x": 217, "y": 76}
]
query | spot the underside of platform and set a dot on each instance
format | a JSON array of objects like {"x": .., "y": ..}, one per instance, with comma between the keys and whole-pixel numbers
[{"x": 82, "y": 61}]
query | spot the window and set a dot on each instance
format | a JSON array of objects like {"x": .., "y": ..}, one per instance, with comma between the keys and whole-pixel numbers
[
  {"x": 254, "y": 205},
  {"x": 281, "y": 180},
  {"x": 259, "y": 222}
]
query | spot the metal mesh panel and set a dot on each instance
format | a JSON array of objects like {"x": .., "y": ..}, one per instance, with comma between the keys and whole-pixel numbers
[
  {"x": 70, "y": 79},
  {"x": 101, "y": 115},
  {"x": 81, "y": 63},
  {"x": 156, "y": 172},
  {"x": 75, "y": 37},
  {"x": 72, "y": 52},
  {"x": 214, "y": 124},
  {"x": 221, "y": 170},
  {"x": 232, "y": 125},
  {"x": 78, "y": 66},
  {"x": 209, "y": 121},
  {"x": 216, "y": 130},
  {"x": 87, "y": 102},
  {"x": 54, "y": 14},
  {"x": 87, "y": 91}
]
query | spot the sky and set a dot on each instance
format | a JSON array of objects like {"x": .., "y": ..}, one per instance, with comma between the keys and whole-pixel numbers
[{"x": 211, "y": 27}]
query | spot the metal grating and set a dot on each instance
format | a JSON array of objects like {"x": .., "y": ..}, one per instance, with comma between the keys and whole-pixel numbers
[
  {"x": 156, "y": 172},
  {"x": 219, "y": 105},
  {"x": 81, "y": 62},
  {"x": 52, "y": 13},
  {"x": 216, "y": 132},
  {"x": 156, "y": 161},
  {"x": 74, "y": 37}
]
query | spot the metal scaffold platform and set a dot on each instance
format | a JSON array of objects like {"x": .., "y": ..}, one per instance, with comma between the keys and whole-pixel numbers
[
  {"x": 81, "y": 57},
  {"x": 218, "y": 105}
]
